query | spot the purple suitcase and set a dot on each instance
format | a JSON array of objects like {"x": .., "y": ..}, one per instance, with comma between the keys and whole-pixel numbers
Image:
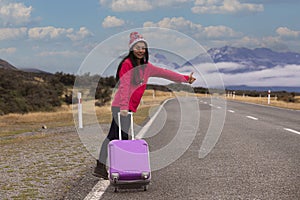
[{"x": 129, "y": 165}]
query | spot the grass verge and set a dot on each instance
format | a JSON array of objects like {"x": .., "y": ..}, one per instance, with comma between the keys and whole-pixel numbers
[{"x": 15, "y": 124}]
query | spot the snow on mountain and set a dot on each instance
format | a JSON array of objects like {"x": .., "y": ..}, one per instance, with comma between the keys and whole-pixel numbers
[
  {"x": 249, "y": 59},
  {"x": 258, "y": 56},
  {"x": 233, "y": 66},
  {"x": 162, "y": 61}
]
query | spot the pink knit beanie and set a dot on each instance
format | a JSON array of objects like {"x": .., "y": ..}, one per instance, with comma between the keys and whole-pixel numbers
[{"x": 134, "y": 38}]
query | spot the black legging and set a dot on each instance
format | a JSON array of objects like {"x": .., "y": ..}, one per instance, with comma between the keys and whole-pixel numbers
[{"x": 114, "y": 132}]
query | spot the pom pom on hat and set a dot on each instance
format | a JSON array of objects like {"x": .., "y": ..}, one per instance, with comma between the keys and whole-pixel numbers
[{"x": 134, "y": 38}]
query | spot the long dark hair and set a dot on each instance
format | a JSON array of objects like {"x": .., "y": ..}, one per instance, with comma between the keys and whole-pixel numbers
[{"x": 136, "y": 76}]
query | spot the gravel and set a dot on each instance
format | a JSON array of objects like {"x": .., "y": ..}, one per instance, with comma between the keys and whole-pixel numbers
[{"x": 44, "y": 165}]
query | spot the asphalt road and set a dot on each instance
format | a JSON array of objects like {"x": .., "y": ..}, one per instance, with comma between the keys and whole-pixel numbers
[{"x": 256, "y": 156}]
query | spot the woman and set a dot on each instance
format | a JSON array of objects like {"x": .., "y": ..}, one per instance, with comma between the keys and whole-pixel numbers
[{"x": 133, "y": 73}]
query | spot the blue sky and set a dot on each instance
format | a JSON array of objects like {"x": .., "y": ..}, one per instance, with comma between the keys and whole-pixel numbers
[{"x": 57, "y": 35}]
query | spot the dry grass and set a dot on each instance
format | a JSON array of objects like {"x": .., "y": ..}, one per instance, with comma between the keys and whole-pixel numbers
[
  {"x": 264, "y": 101},
  {"x": 17, "y": 123},
  {"x": 12, "y": 124}
]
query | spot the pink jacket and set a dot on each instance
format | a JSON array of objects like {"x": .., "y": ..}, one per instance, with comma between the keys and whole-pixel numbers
[{"x": 128, "y": 95}]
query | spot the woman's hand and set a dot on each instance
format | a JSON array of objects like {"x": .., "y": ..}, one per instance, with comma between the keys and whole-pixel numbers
[
  {"x": 191, "y": 78},
  {"x": 124, "y": 113}
]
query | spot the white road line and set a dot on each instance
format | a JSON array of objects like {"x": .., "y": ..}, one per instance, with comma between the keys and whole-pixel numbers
[
  {"x": 211, "y": 105},
  {"x": 232, "y": 111},
  {"x": 291, "y": 130},
  {"x": 250, "y": 117},
  {"x": 218, "y": 107},
  {"x": 98, "y": 190},
  {"x": 149, "y": 123}
]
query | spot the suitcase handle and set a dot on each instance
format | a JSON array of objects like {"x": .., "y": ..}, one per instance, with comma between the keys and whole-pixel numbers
[{"x": 131, "y": 125}]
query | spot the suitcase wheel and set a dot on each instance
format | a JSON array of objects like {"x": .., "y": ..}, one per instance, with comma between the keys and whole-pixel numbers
[
  {"x": 145, "y": 187},
  {"x": 115, "y": 177},
  {"x": 116, "y": 189}
]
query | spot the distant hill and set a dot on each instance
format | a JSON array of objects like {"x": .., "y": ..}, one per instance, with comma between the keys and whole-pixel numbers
[
  {"x": 23, "y": 92},
  {"x": 34, "y": 70},
  {"x": 31, "y": 90},
  {"x": 6, "y": 65}
]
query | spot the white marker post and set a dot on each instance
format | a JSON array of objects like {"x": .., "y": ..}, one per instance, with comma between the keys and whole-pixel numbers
[
  {"x": 269, "y": 96},
  {"x": 80, "y": 124},
  {"x": 153, "y": 94}
]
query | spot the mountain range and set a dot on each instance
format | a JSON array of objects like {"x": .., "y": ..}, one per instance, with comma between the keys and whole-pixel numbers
[
  {"x": 258, "y": 56},
  {"x": 234, "y": 62},
  {"x": 252, "y": 59}
]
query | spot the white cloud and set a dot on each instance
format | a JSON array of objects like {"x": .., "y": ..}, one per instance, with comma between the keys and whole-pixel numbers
[
  {"x": 14, "y": 13},
  {"x": 127, "y": 5},
  {"x": 12, "y": 33},
  {"x": 81, "y": 34},
  {"x": 247, "y": 41},
  {"x": 59, "y": 53},
  {"x": 112, "y": 21},
  {"x": 48, "y": 32},
  {"x": 194, "y": 29},
  {"x": 229, "y": 66},
  {"x": 9, "y": 50},
  {"x": 209, "y": 75},
  {"x": 288, "y": 33},
  {"x": 139, "y": 5},
  {"x": 225, "y": 7},
  {"x": 39, "y": 33},
  {"x": 220, "y": 32},
  {"x": 178, "y": 23},
  {"x": 278, "y": 76},
  {"x": 168, "y": 3}
]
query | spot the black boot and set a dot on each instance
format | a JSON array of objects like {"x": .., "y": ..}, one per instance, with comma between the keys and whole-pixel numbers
[{"x": 100, "y": 171}]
